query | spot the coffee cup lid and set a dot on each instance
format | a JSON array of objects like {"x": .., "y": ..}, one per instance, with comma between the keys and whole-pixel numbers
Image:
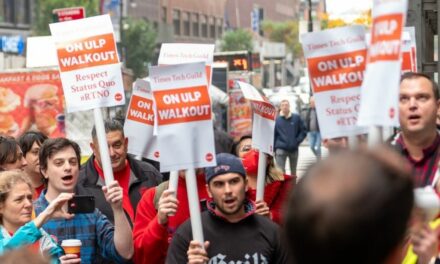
[{"x": 71, "y": 242}]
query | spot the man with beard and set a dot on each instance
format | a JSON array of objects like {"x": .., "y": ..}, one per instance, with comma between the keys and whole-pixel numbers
[
  {"x": 134, "y": 176},
  {"x": 234, "y": 233}
]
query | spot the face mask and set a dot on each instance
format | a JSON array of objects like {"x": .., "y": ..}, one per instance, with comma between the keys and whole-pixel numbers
[{"x": 250, "y": 162}]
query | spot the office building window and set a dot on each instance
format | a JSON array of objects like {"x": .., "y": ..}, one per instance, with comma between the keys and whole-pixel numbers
[
  {"x": 186, "y": 25},
  {"x": 164, "y": 14},
  {"x": 204, "y": 23},
  {"x": 17, "y": 12},
  {"x": 22, "y": 12},
  {"x": 195, "y": 25},
  {"x": 219, "y": 27},
  {"x": 176, "y": 22},
  {"x": 7, "y": 11},
  {"x": 211, "y": 27}
]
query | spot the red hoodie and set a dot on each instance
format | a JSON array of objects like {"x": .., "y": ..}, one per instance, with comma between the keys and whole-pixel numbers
[
  {"x": 151, "y": 240},
  {"x": 275, "y": 194}
]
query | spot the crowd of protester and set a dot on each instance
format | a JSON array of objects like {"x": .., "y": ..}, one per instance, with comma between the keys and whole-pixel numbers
[{"x": 355, "y": 206}]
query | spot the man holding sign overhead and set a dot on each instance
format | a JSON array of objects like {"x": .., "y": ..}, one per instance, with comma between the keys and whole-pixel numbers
[
  {"x": 133, "y": 175},
  {"x": 160, "y": 212},
  {"x": 233, "y": 231}
]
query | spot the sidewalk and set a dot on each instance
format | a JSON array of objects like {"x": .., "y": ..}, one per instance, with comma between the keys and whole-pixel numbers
[{"x": 305, "y": 159}]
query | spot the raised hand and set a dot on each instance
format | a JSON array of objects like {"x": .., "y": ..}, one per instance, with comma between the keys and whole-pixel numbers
[
  {"x": 167, "y": 206},
  {"x": 113, "y": 194}
]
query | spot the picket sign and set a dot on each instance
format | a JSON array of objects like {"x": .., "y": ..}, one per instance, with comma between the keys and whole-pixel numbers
[
  {"x": 375, "y": 136},
  {"x": 173, "y": 182},
  {"x": 90, "y": 72},
  {"x": 383, "y": 71},
  {"x": 261, "y": 177},
  {"x": 382, "y": 74},
  {"x": 194, "y": 206},
  {"x": 139, "y": 122},
  {"x": 336, "y": 63},
  {"x": 103, "y": 149},
  {"x": 407, "y": 59},
  {"x": 184, "y": 126},
  {"x": 177, "y": 53},
  {"x": 353, "y": 142},
  {"x": 264, "y": 114},
  {"x": 412, "y": 34}
]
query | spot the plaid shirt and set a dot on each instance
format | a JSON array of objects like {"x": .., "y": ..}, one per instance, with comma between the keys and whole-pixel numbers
[
  {"x": 94, "y": 230},
  {"x": 424, "y": 170}
]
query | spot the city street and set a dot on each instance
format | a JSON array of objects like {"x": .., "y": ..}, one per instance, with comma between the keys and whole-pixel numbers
[{"x": 305, "y": 159}]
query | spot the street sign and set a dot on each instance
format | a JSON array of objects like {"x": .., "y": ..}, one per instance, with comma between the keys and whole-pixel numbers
[
  {"x": 70, "y": 13},
  {"x": 255, "y": 20},
  {"x": 12, "y": 44}
]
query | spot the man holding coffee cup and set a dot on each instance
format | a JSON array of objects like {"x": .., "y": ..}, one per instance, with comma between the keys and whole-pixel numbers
[{"x": 101, "y": 241}]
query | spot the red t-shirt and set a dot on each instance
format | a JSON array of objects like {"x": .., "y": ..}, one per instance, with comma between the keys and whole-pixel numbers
[
  {"x": 123, "y": 178},
  {"x": 38, "y": 191}
]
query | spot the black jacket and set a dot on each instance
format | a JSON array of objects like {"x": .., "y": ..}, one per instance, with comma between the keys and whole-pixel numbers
[
  {"x": 289, "y": 132},
  {"x": 142, "y": 176},
  {"x": 253, "y": 239}
]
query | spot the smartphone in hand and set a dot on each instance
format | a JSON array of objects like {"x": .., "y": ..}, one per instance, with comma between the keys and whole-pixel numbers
[{"x": 81, "y": 204}]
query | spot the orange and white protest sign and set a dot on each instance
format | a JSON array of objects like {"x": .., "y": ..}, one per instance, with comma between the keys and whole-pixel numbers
[
  {"x": 89, "y": 64},
  {"x": 176, "y": 53},
  {"x": 264, "y": 119},
  {"x": 382, "y": 75},
  {"x": 183, "y": 112},
  {"x": 139, "y": 122},
  {"x": 412, "y": 35},
  {"x": 407, "y": 59},
  {"x": 336, "y": 63}
]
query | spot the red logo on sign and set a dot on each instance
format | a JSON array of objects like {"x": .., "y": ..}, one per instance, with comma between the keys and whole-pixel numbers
[
  {"x": 156, "y": 154},
  {"x": 118, "y": 96},
  {"x": 209, "y": 157},
  {"x": 392, "y": 112}
]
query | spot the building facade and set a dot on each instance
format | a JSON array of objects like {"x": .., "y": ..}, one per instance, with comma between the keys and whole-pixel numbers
[
  {"x": 238, "y": 12},
  {"x": 16, "y": 18},
  {"x": 182, "y": 20}
]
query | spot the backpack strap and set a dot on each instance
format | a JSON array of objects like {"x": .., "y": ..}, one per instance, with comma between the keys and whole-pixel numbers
[{"x": 159, "y": 190}]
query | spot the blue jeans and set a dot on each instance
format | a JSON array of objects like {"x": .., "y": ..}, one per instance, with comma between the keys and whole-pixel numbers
[
  {"x": 281, "y": 157},
  {"x": 315, "y": 142}
]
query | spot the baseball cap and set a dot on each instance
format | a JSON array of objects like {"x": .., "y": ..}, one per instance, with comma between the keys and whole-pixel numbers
[{"x": 226, "y": 163}]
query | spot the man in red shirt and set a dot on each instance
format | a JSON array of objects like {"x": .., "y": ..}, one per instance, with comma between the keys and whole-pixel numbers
[
  {"x": 134, "y": 176},
  {"x": 159, "y": 214}
]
